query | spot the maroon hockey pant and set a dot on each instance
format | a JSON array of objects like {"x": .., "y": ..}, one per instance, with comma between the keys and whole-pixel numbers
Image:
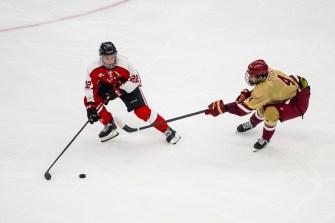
[{"x": 295, "y": 107}]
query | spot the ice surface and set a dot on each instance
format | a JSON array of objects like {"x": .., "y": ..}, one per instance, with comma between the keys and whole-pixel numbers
[{"x": 188, "y": 53}]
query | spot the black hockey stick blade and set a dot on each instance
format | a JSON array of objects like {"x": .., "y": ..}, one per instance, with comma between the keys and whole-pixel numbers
[
  {"x": 129, "y": 129},
  {"x": 47, "y": 175}
]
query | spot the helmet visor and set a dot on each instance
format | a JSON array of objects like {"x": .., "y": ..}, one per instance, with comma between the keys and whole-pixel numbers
[
  {"x": 253, "y": 79},
  {"x": 249, "y": 81},
  {"x": 108, "y": 61}
]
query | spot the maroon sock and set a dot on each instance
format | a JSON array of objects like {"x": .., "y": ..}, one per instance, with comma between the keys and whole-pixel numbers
[
  {"x": 268, "y": 132},
  {"x": 255, "y": 119}
]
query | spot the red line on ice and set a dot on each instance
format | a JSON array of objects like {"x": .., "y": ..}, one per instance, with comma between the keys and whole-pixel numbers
[{"x": 64, "y": 18}]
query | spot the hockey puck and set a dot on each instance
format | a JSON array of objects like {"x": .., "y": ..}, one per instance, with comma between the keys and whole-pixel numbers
[{"x": 82, "y": 175}]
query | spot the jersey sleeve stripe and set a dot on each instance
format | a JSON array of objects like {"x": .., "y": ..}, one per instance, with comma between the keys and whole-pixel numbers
[{"x": 244, "y": 108}]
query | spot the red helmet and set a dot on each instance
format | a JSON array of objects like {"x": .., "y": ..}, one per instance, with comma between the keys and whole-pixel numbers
[{"x": 258, "y": 69}]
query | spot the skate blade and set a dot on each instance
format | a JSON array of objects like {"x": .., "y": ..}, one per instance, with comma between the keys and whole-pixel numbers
[
  {"x": 256, "y": 150},
  {"x": 175, "y": 140},
  {"x": 109, "y": 137}
]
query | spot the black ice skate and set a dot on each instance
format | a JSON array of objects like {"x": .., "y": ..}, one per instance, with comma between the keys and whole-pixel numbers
[
  {"x": 260, "y": 144},
  {"x": 245, "y": 127},
  {"x": 172, "y": 136},
  {"x": 108, "y": 132}
]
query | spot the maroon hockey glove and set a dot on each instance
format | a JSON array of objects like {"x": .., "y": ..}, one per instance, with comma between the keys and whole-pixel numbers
[
  {"x": 216, "y": 108},
  {"x": 243, "y": 95},
  {"x": 92, "y": 113}
]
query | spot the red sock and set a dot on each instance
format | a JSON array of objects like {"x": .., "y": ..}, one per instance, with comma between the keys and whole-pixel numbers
[
  {"x": 105, "y": 116},
  {"x": 147, "y": 115},
  {"x": 162, "y": 127}
]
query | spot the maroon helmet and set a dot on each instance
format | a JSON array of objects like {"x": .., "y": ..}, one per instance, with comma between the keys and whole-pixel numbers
[{"x": 257, "y": 70}]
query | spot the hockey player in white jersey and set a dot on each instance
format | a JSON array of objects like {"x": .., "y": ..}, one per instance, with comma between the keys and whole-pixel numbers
[{"x": 114, "y": 76}]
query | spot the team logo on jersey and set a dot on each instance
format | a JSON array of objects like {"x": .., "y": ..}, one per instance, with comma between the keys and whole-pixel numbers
[
  {"x": 110, "y": 74},
  {"x": 101, "y": 74},
  {"x": 117, "y": 74}
]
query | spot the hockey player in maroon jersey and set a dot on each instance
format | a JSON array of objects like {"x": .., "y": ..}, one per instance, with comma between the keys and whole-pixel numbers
[
  {"x": 276, "y": 96},
  {"x": 114, "y": 76}
]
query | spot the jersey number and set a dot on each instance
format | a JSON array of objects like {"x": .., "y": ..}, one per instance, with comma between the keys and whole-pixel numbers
[
  {"x": 287, "y": 81},
  {"x": 88, "y": 84},
  {"x": 134, "y": 79}
]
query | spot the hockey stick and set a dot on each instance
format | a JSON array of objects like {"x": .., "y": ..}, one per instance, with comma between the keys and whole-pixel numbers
[
  {"x": 129, "y": 129},
  {"x": 47, "y": 175}
]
